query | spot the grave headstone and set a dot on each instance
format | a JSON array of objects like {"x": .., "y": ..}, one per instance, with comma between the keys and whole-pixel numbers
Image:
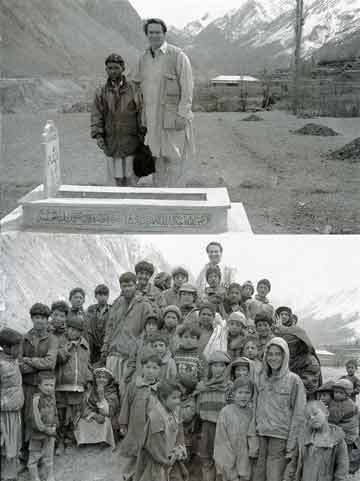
[{"x": 52, "y": 170}]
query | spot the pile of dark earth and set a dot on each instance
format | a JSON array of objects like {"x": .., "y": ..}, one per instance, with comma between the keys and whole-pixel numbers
[
  {"x": 316, "y": 129},
  {"x": 253, "y": 118},
  {"x": 350, "y": 151}
]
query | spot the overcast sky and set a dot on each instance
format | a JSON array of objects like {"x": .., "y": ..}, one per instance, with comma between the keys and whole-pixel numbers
[
  {"x": 180, "y": 12},
  {"x": 301, "y": 268}
]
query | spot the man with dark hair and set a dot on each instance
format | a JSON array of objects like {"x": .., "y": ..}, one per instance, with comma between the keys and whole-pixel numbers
[
  {"x": 144, "y": 271},
  {"x": 165, "y": 78},
  {"x": 126, "y": 322},
  {"x": 115, "y": 123},
  {"x": 214, "y": 251},
  {"x": 97, "y": 315}
]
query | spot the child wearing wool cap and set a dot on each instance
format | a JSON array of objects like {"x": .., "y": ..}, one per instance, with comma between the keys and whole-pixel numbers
[
  {"x": 351, "y": 368},
  {"x": 343, "y": 412}
]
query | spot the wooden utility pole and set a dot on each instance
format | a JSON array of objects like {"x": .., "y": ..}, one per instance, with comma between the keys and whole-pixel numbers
[{"x": 297, "y": 55}]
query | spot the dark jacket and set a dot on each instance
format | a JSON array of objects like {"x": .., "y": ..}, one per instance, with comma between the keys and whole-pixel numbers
[
  {"x": 96, "y": 325},
  {"x": 40, "y": 355},
  {"x": 114, "y": 117},
  {"x": 73, "y": 373}
]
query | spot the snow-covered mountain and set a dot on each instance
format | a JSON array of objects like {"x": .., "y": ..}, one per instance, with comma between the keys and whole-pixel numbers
[
  {"x": 260, "y": 33},
  {"x": 333, "y": 318}
]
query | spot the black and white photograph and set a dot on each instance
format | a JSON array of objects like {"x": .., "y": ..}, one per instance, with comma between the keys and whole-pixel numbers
[{"x": 179, "y": 240}]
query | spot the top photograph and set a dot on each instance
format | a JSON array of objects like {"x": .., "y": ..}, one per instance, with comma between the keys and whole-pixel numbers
[{"x": 130, "y": 116}]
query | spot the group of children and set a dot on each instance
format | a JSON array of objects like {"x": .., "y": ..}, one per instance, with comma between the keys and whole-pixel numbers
[{"x": 174, "y": 378}]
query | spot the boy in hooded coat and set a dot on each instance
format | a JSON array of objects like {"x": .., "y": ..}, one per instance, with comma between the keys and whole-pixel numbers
[{"x": 279, "y": 412}]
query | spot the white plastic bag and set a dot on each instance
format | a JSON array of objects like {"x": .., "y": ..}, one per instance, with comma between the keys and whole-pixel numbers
[{"x": 218, "y": 339}]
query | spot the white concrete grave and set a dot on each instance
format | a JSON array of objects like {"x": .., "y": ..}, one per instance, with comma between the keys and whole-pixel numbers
[
  {"x": 52, "y": 170},
  {"x": 53, "y": 207}
]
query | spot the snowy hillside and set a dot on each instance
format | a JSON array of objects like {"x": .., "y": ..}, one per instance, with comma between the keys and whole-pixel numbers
[
  {"x": 43, "y": 268},
  {"x": 334, "y": 318}
]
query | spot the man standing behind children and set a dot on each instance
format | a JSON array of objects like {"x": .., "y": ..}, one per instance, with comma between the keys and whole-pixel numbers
[{"x": 115, "y": 122}]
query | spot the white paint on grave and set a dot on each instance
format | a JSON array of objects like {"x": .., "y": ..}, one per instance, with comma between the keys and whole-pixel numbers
[{"x": 52, "y": 171}]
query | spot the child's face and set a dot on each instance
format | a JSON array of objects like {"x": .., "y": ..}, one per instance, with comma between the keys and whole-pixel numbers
[
  {"x": 235, "y": 295},
  {"x": 172, "y": 401},
  {"x": 310, "y": 380},
  {"x": 325, "y": 397},
  {"x": 114, "y": 70},
  {"x": 159, "y": 347},
  {"x": 263, "y": 328},
  {"x": 187, "y": 298},
  {"x": 179, "y": 280},
  {"x": 73, "y": 334},
  {"x": 351, "y": 369},
  {"x": 58, "y": 319},
  {"x": 171, "y": 321},
  {"x": 12, "y": 351},
  {"x": 128, "y": 289},
  {"x": 316, "y": 417},
  {"x": 143, "y": 278},
  {"x": 40, "y": 322},
  {"x": 274, "y": 357},
  {"x": 102, "y": 380},
  {"x": 188, "y": 341},
  {"x": 151, "y": 371},
  {"x": 102, "y": 299},
  {"x": 339, "y": 395},
  {"x": 206, "y": 317},
  {"x": 241, "y": 371},
  {"x": 151, "y": 327},
  {"x": 242, "y": 396},
  {"x": 247, "y": 291},
  {"x": 214, "y": 298},
  {"x": 285, "y": 318},
  {"x": 235, "y": 327},
  {"x": 77, "y": 300},
  {"x": 218, "y": 369},
  {"x": 47, "y": 386},
  {"x": 251, "y": 350},
  {"x": 262, "y": 290},
  {"x": 213, "y": 279}
]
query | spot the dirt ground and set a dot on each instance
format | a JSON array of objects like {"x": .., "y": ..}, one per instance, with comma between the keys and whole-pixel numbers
[
  {"x": 284, "y": 180},
  {"x": 95, "y": 463}
]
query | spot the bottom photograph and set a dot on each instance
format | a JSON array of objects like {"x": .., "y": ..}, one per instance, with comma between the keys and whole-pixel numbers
[{"x": 179, "y": 358}]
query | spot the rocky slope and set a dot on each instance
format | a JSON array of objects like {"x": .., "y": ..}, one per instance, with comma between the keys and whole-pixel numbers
[{"x": 68, "y": 37}]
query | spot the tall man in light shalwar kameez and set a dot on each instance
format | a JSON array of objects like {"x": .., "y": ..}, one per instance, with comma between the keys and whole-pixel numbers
[{"x": 166, "y": 83}]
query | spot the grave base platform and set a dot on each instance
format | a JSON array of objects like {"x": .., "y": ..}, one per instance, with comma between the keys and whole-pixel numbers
[{"x": 127, "y": 210}]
